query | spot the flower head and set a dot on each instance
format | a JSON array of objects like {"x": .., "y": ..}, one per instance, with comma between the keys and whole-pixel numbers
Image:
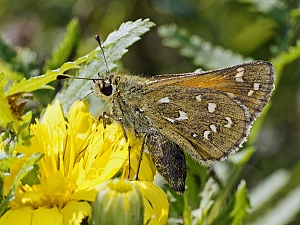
[
  {"x": 121, "y": 198},
  {"x": 79, "y": 155}
]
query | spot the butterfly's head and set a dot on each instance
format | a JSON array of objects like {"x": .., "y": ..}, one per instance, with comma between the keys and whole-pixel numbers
[{"x": 105, "y": 88}]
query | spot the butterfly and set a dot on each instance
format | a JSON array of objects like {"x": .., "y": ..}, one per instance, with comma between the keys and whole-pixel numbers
[{"x": 206, "y": 114}]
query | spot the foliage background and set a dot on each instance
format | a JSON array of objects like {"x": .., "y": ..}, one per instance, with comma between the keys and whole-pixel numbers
[{"x": 251, "y": 28}]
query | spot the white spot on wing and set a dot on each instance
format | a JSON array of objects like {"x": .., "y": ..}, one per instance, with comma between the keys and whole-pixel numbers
[
  {"x": 164, "y": 100},
  {"x": 182, "y": 116},
  {"x": 250, "y": 92},
  {"x": 206, "y": 133},
  {"x": 228, "y": 125},
  {"x": 169, "y": 119},
  {"x": 212, "y": 107},
  {"x": 199, "y": 98},
  {"x": 213, "y": 128},
  {"x": 256, "y": 86},
  {"x": 194, "y": 135},
  {"x": 239, "y": 74}
]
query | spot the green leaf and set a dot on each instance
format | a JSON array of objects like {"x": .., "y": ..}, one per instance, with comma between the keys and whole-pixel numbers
[
  {"x": 40, "y": 82},
  {"x": 201, "y": 52},
  {"x": 115, "y": 47},
  {"x": 63, "y": 51},
  {"x": 236, "y": 211},
  {"x": 6, "y": 161},
  {"x": 32, "y": 177}
]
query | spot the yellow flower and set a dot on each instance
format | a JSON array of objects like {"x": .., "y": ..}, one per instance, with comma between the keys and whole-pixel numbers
[{"x": 79, "y": 155}]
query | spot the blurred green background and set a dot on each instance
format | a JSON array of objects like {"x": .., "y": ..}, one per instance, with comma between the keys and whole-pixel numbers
[{"x": 243, "y": 29}]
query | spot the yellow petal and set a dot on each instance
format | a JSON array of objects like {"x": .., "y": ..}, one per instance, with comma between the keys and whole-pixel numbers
[
  {"x": 75, "y": 212},
  {"x": 156, "y": 203},
  {"x": 76, "y": 108},
  {"x": 21, "y": 216},
  {"x": 53, "y": 114},
  {"x": 47, "y": 216},
  {"x": 85, "y": 195}
]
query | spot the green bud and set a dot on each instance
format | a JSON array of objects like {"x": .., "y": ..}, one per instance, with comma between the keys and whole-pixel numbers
[{"x": 118, "y": 202}]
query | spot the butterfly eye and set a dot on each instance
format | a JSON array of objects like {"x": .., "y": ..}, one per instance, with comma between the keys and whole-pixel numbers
[{"x": 106, "y": 89}]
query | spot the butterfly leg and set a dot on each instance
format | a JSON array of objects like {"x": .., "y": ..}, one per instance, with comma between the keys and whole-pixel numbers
[
  {"x": 144, "y": 138},
  {"x": 129, "y": 148}
]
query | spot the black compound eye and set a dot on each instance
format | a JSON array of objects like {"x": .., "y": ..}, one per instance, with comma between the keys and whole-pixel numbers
[{"x": 106, "y": 89}]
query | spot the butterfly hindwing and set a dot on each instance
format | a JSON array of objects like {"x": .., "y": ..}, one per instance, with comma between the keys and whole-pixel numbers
[{"x": 169, "y": 160}]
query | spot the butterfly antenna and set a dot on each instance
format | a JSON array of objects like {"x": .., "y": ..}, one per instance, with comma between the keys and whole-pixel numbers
[{"x": 100, "y": 46}]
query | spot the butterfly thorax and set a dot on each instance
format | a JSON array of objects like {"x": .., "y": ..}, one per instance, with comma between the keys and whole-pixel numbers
[{"x": 121, "y": 95}]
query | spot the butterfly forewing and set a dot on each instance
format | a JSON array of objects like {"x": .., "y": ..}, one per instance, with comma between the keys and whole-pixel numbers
[
  {"x": 250, "y": 83},
  {"x": 209, "y": 114}
]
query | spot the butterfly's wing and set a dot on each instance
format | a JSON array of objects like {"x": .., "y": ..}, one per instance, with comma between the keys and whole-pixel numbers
[
  {"x": 210, "y": 114},
  {"x": 168, "y": 158},
  {"x": 250, "y": 83}
]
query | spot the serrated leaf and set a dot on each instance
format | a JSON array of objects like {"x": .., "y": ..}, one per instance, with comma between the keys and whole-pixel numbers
[
  {"x": 115, "y": 47},
  {"x": 39, "y": 82},
  {"x": 62, "y": 52},
  {"x": 6, "y": 161},
  {"x": 32, "y": 177},
  {"x": 201, "y": 52}
]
